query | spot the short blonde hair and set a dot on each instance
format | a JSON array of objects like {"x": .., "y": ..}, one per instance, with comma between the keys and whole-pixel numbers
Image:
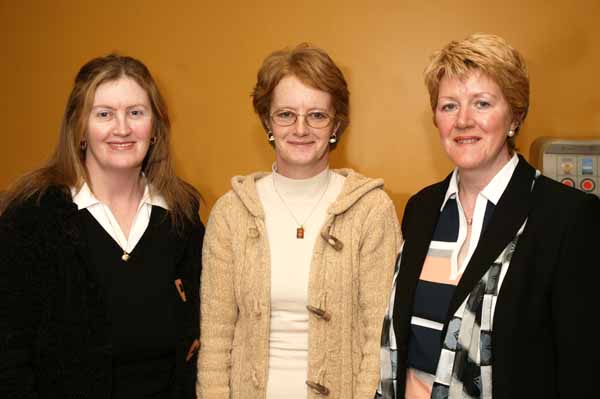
[
  {"x": 491, "y": 55},
  {"x": 314, "y": 67}
]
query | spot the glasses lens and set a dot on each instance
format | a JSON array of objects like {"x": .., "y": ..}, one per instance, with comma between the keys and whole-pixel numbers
[
  {"x": 284, "y": 118},
  {"x": 315, "y": 119},
  {"x": 318, "y": 119}
]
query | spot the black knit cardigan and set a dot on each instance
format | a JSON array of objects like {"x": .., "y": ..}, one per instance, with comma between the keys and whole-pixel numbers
[{"x": 54, "y": 331}]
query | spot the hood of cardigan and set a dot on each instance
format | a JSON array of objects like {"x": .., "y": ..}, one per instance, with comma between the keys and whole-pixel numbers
[{"x": 355, "y": 187}]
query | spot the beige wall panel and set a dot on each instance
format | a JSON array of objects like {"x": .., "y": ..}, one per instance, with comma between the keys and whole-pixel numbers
[{"x": 205, "y": 56}]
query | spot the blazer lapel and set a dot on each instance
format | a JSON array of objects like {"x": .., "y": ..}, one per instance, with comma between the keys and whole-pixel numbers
[
  {"x": 510, "y": 213},
  {"x": 422, "y": 220}
]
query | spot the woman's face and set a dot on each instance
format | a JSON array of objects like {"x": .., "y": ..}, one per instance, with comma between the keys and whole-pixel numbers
[
  {"x": 301, "y": 151},
  {"x": 119, "y": 128},
  {"x": 473, "y": 118}
]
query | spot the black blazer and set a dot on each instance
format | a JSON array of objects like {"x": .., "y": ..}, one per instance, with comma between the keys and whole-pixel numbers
[
  {"x": 54, "y": 331},
  {"x": 543, "y": 340}
]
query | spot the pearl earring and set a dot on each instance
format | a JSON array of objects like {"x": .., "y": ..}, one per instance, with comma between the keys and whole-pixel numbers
[
  {"x": 333, "y": 139},
  {"x": 511, "y": 133},
  {"x": 270, "y": 136}
]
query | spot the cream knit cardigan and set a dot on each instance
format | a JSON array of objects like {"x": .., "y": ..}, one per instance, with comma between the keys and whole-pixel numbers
[{"x": 350, "y": 279}]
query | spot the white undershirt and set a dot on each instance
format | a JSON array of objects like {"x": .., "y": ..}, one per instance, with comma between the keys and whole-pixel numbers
[
  {"x": 85, "y": 199},
  {"x": 491, "y": 192},
  {"x": 290, "y": 267}
]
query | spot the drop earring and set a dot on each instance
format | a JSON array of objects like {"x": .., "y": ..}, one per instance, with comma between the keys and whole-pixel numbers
[
  {"x": 270, "y": 136},
  {"x": 83, "y": 145},
  {"x": 333, "y": 138}
]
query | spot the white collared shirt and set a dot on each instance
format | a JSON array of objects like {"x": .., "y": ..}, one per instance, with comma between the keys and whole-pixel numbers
[
  {"x": 85, "y": 199},
  {"x": 492, "y": 193}
]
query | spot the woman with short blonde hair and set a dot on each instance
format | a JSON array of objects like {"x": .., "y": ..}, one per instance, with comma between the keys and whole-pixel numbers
[{"x": 495, "y": 282}]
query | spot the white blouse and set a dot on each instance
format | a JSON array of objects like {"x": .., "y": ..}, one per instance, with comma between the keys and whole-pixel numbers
[{"x": 85, "y": 199}]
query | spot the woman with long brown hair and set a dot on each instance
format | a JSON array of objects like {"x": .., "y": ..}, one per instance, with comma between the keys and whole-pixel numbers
[{"x": 100, "y": 252}]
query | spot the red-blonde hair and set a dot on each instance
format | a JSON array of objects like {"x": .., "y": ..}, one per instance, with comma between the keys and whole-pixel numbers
[{"x": 314, "y": 67}]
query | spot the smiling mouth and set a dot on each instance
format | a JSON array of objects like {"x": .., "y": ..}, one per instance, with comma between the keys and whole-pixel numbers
[
  {"x": 121, "y": 146},
  {"x": 300, "y": 142},
  {"x": 466, "y": 140}
]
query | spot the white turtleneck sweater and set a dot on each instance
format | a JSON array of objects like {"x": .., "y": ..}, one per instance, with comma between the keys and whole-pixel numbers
[{"x": 290, "y": 266}]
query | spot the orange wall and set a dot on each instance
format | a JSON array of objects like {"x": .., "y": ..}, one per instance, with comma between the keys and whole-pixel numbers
[{"x": 205, "y": 56}]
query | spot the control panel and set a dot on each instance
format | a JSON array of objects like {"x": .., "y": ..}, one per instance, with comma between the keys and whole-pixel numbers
[{"x": 574, "y": 163}]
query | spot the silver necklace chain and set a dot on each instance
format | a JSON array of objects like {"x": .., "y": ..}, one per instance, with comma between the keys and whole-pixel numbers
[{"x": 301, "y": 225}]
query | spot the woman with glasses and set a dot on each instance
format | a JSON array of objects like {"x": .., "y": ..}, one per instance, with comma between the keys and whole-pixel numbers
[{"x": 298, "y": 261}]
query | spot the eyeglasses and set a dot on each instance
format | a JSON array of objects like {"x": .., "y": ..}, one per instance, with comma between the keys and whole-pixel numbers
[{"x": 314, "y": 119}]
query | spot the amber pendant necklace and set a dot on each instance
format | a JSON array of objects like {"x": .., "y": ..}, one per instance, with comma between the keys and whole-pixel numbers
[{"x": 300, "y": 225}]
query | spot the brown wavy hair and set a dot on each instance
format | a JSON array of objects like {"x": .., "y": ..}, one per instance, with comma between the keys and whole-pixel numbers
[{"x": 66, "y": 167}]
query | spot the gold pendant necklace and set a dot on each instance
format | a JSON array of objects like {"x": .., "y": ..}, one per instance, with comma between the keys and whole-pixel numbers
[
  {"x": 125, "y": 257},
  {"x": 300, "y": 228}
]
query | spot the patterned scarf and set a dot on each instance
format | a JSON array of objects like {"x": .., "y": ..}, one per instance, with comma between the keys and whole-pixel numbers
[{"x": 465, "y": 366}]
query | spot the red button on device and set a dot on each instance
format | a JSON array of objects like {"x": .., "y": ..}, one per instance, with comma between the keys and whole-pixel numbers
[
  {"x": 568, "y": 182},
  {"x": 587, "y": 185}
]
